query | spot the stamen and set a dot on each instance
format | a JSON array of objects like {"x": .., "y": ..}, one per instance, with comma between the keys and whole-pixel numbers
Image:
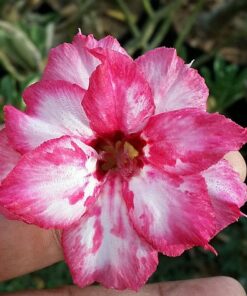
[
  {"x": 130, "y": 150},
  {"x": 119, "y": 153}
]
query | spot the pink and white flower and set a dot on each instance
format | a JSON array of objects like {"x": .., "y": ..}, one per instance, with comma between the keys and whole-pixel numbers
[{"x": 122, "y": 156}]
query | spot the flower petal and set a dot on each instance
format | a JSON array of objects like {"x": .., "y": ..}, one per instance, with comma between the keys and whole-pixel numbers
[
  {"x": 89, "y": 41},
  {"x": 189, "y": 140},
  {"x": 66, "y": 62},
  {"x": 172, "y": 213},
  {"x": 118, "y": 97},
  {"x": 8, "y": 156},
  {"x": 8, "y": 160},
  {"x": 104, "y": 247},
  {"x": 174, "y": 84},
  {"x": 51, "y": 185},
  {"x": 227, "y": 191},
  {"x": 53, "y": 110}
]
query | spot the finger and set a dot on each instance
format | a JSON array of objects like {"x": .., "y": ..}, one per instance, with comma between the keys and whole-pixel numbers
[
  {"x": 237, "y": 162},
  {"x": 25, "y": 248},
  {"x": 218, "y": 286}
]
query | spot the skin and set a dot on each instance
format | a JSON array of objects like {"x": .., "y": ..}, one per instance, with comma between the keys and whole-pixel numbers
[{"x": 26, "y": 248}]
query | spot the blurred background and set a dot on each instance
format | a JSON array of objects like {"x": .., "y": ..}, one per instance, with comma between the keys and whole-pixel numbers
[{"x": 213, "y": 33}]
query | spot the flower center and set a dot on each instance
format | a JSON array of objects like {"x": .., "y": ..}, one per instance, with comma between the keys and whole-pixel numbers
[{"x": 120, "y": 153}]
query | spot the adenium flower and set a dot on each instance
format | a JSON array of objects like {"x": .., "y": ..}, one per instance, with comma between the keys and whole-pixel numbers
[{"x": 122, "y": 157}]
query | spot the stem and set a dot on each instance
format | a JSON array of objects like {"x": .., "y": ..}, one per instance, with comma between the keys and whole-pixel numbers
[
  {"x": 147, "y": 32},
  {"x": 188, "y": 25},
  {"x": 165, "y": 26},
  {"x": 148, "y": 8},
  {"x": 129, "y": 18}
]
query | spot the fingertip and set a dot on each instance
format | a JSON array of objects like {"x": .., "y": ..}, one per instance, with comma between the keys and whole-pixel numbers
[
  {"x": 237, "y": 161},
  {"x": 220, "y": 286}
]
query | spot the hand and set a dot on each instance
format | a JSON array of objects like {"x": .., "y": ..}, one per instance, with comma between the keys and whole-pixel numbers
[{"x": 25, "y": 248}]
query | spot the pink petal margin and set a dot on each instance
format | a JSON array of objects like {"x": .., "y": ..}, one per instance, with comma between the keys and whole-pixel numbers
[
  {"x": 74, "y": 62},
  {"x": 53, "y": 110},
  {"x": 8, "y": 160},
  {"x": 228, "y": 193},
  {"x": 174, "y": 84},
  {"x": 188, "y": 141},
  {"x": 173, "y": 214},
  {"x": 67, "y": 62},
  {"x": 104, "y": 247},
  {"x": 118, "y": 97},
  {"x": 52, "y": 185},
  {"x": 8, "y": 156},
  {"x": 80, "y": 41}
]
